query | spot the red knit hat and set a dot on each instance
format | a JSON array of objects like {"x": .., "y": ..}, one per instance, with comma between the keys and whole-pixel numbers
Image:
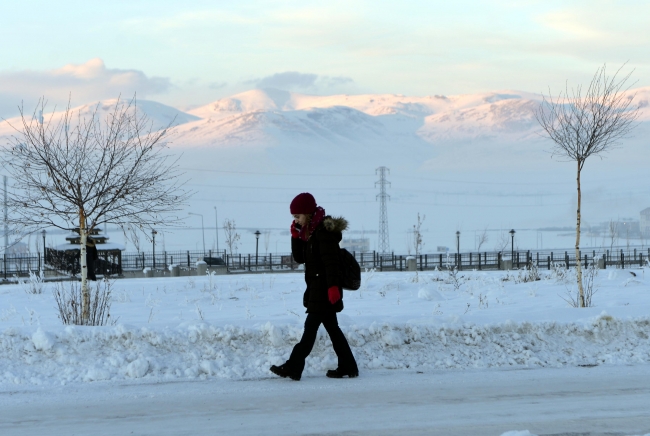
[{"x": 304, "y": 203}]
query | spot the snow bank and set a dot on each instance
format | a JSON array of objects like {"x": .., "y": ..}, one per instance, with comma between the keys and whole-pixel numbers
[{"x": 189, "y": 351}]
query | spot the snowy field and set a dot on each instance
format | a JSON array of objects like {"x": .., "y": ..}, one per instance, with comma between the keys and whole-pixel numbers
[{"x": 195, "y": 337}]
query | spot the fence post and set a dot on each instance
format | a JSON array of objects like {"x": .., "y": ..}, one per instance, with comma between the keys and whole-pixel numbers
[
  {"x": 548, "y": 262},
  {"x": 622, "y": 259},
  {"x": 5, "y": 263},
  {"x": 566, "y": 259},
  {"x": 426, "y": 262},
  {"x": 270, "y": 262},
  {"x": 441, "y": 261},
  {"x": 479, "y": 260},
  {"x": 517, "y": 260}
]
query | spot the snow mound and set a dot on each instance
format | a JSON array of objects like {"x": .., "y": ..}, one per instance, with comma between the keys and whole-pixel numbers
[{"x": 76, "y": 354}]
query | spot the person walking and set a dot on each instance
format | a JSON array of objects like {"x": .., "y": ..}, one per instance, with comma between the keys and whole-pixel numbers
[{"x": 315, "y": 241}]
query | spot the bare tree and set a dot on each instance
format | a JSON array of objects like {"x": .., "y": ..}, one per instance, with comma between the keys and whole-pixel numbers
[
  {"x": 79, "y": 172},
  {"x": 502, "y": 242},
  {"x": 482, "y": 239},
  {"x": 267, "y": 241},
  {"x": 232, "y": 237},
  {"x": 417, "y": 235},
  {"x": 613, "y": 234},
  {"x": 643, "y": 237},
  {"x": 409, "y": 242},
  {"x": 585, "y": 126}
]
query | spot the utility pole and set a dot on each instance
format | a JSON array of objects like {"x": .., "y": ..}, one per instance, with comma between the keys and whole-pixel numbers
[
  {"x": 6, "y": 215},
  {"x": 384, "y": 245},
  {"x": 216, "y": 226}
]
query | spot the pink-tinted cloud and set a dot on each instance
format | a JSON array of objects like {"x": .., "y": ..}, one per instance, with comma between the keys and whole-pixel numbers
[{"x": 83, "y": 83}]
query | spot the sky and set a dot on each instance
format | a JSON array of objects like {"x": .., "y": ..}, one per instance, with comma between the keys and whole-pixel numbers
[{"x": 187, "y": 54}]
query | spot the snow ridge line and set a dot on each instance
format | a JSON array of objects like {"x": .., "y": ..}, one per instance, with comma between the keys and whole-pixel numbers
[{"x": 77, "y": 354}]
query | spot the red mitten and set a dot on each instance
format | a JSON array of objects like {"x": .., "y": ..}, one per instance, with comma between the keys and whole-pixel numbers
[
  {"x": 334, "y": 294},
  {"x": 295, "y": 231}
]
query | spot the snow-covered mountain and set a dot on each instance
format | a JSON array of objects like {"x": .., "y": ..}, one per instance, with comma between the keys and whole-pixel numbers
[
  {"x": 272, "y": 118},
  {"x": 494, "y": 130},
  {"x": 158, "y": 114},
  {"x": 279, "y": 115}
]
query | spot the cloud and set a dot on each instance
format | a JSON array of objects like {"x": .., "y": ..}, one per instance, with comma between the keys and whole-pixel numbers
[
  {"x": 217, "y": 85},
  {"x": 286, "y": 80},
  {"x": 296, "y": 81},
  {"x": 83, "y": 83}
]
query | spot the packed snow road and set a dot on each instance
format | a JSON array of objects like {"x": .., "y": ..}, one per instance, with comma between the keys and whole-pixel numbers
[{"x": 612, "y": 400}]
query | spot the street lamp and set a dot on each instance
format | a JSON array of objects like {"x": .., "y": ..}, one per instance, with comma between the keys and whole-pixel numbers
[
  {"x": 458, "y": 246},
  {"x": 257, "y": 244},
  {"x": 216, "y": 226},
  {"x": 512, "y": 246},
  {"x": 153, "y": 246},
  {"x": 43, "y": 233},
  {"x": 202, "y": 229}
]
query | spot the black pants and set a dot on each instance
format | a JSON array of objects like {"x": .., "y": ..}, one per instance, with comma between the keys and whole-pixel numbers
[{"x": 341, "y": 347}]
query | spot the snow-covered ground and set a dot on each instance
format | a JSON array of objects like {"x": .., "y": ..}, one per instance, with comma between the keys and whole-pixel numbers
[{"x": 194, "y": 336}]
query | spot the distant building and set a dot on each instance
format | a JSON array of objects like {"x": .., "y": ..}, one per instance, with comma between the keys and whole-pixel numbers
[
  {"x": 644, "y": 222},
  {"x": 628, "y": 227},
  {"x": 358, "y": 245}
]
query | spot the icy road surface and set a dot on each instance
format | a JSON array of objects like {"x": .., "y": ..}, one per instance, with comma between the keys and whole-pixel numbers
[{"x": 603, "y": 400}]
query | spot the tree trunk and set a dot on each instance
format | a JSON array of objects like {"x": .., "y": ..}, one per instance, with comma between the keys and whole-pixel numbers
[
  {"x": 85, "y": 294},
  {"x": 581, "y": 293}
]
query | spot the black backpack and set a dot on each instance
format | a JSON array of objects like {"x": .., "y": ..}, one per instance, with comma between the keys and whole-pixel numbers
[{"x": 350, "y": 271}]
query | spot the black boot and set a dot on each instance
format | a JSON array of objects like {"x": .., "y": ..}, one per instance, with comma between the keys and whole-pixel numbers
[
  {"x": 338, "y": 373},
  {"x": 285, "y": 371}
]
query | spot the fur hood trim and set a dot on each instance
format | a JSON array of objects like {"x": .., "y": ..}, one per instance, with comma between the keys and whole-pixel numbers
[{"x": 335, "y": 224}]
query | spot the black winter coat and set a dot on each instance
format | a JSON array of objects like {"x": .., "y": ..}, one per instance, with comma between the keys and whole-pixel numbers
[{"x": 321, "y": 256}]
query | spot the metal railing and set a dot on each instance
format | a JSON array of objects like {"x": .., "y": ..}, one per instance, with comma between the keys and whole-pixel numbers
[{"x": 21, "y": 264}]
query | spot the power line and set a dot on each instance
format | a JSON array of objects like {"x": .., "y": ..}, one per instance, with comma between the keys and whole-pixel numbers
[
  {"x": 330, "y": 174},
  {"x": 429, "y": 179}
]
